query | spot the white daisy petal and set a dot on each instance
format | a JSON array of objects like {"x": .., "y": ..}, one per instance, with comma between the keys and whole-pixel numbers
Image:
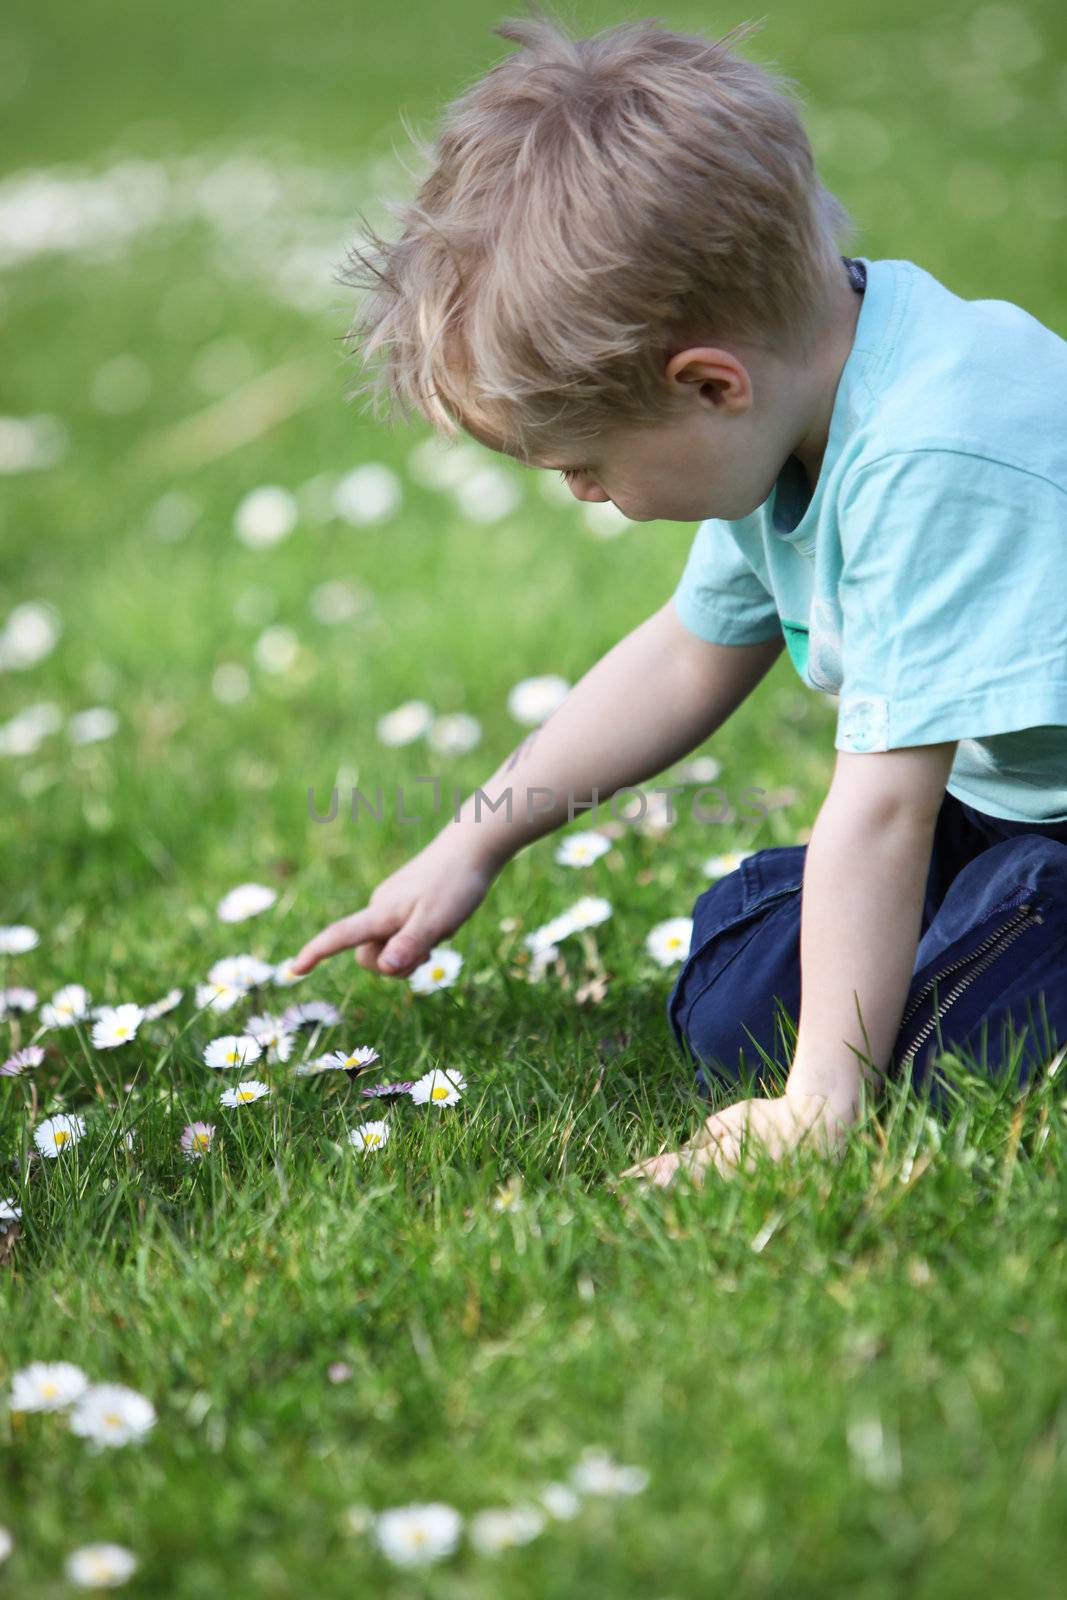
[
  {"x": 16, "y": 939},
  {"x": 415, "y": 1535},
  {"x": 100, "y": 1566},
  {"x": 112, "y": 1414},
  {"x": 247, "y": 900}
]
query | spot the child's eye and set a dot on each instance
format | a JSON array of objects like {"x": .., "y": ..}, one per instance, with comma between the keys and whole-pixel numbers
[{"x": 572, "y": 472}]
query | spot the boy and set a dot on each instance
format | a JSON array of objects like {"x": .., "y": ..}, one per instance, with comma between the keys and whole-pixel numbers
[{"x": 624, "y": 266}]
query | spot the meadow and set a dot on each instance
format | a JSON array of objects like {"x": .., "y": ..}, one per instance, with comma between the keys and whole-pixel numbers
[{"x": 219, "y": 584}]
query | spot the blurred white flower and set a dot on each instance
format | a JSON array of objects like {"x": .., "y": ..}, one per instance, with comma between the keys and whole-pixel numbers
[
  {"x": 265, "y": 516},
  {"x": 247, "y": 900},
  {"x": 501, "y": 1527},
  {"x": 669, "y": 941},
  {"x": 31, "y": 1055},
  {"x": 243, "y": 971},
  {"x": 25, "y": 731},
  {"x": 9, "y": 1211},
  {"x": 118, "y": 1025},
  {"x": 17, "y": 998},
  {"x": 580, "y": 849},
  {"x": 7, "y": 1544},
  {"x": 276, "y": 649},
  {"x": 29, "y": 443},
  {"x": 268, "y": 1032},
  {"x": 310, "y": 1014},
  {"x": 415, "y": 1535},
  {"x": 438, "y": 1087},
  {"x": 112, "y": 1414},
  {"x": 173, "y": 515},
  {"x": 230, "y": 683},
  {"x": 604, "y": 519},
  {"x": 439, "y": 971},
  {"x": 487, "y": 494},
  {"x": 560, "y": 1501},
  {"x": 698, "y": 769},
  {"x": 159, "y": 1008},
  {"x": 438, "y": 463},
  {"x": 533, "y": 699},
  {"x": 219, "y": 996},
  {"x": 100, "y": 1566},
  {"x": 408, "y": 722},
  {"x": 250, "y": 1089},
  {"x": 67, "y": 1005},
  {"x": 719, "y": 866},
  {"x": 369, "y": 1136},
  {"x": 597, "y": 1473},
  {"x": 284, "y": 976},
  {"x": 368, "y": 494},
  {"x": 29, "y": 634},
  {"x": 454, "y": 733},
  {"x": 337, "y": 600},
  {"x": 56, "y": 1134},
  {"x": 17, "y": 939},
  {"x": 589, "y": 911},
  {"x": 46, "y": 1386},
  {"x": 348, "y": 1060}
]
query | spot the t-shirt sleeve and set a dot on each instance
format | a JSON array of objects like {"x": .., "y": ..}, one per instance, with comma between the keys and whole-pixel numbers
[
  {"x": 720, "y": 596},
  {"x": 952, "y": 601}
]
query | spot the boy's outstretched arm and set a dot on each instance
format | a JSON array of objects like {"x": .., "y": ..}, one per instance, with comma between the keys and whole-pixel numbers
[
  {"x": 865, "y": 877},
  {"x": 647, "y": 702}
]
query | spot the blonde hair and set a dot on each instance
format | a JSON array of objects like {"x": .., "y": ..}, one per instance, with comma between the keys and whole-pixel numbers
[{"x": 595, "y": 204}]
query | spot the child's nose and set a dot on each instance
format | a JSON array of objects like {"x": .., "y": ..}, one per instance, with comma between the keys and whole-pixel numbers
[{"x": 589, "y": 492}]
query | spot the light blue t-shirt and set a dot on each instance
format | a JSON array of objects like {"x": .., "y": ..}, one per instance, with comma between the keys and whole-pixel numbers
[{"x": 924, "y": 583}]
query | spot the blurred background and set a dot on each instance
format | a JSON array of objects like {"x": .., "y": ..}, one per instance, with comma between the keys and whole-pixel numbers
[{"x": 217, "y": 576}]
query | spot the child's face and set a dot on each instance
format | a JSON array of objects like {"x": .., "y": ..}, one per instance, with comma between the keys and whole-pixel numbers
[{"x": 719, "y": 458}]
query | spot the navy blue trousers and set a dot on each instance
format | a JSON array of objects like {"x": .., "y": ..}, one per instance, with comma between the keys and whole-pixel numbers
[{"x": 992, "y": 956}]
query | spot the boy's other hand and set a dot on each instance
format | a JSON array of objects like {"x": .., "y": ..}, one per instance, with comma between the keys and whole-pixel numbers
[
  {"x": 726, "y": 1141},
  {"x": 423, "y": 902}
]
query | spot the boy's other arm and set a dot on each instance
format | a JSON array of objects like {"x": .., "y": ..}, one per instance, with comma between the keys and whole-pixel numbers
[{"x": 865, "y": 874}]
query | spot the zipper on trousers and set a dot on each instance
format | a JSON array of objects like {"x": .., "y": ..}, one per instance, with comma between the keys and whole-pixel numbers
[{"x": 993, "y": 946}]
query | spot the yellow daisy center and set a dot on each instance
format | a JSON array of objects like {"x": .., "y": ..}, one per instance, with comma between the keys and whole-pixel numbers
[
  {"x": 232, "y": 1056},
  {"x": 120, "y": 1033},
  {"x": 245, "y": 1094},
  {"x": 439, "y": 1093},
  {"x": 49, "y": 1390},
  {"x": 61, "y": 1136},
  {"x": 437, "y": 972},
  {"x": 372, "y": 1138},
  {"x": 201, "y": 1141},
  {"x": 418, "y": 1535},
  {"x": 674, "y": 941},
  {"x": 112, "y": 1419}
]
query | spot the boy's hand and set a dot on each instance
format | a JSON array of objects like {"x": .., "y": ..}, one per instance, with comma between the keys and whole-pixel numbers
[
  {"x": 423, "y": 902},
  {"x": 727, "y": 1137}
]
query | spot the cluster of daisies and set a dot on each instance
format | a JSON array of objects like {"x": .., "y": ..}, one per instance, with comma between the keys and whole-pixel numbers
[
  {"x": 108, "y": 1415},
  {"x": 422, "y": 1533}
]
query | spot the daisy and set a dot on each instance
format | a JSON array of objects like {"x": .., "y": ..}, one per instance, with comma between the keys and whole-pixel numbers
[
  {"x": 487, "y": 495},
  {"x": 588, "y": 911},
  {"x": 250, "y": 1089},
  {"x": 241, "y": 972},
  {"x": 452, "y": 735},
  {"x": 385, "y": 1091},
  {"x": 509, "y": 1195},
  {"x": 359, "y": 1519},
  {"x": 283, "y": 974},
  {"x": 92, "y": 726},
  {"x": 247, "y": 900},
  {"x": 597, "y": 1473},
  {"x": 232, "y": 1050},
  {"x": 159, "y": 1008},
  {"x": 415, "y": 1535},
  {"x": 276, "y": 650},
  {"x": 111, "y": 1414},
  {"x": 17, "y": 939},
  {"x": 500, "y": 1527},
  {"x": 30, "y": 1056},
  {"x": 560, "y": 1501},
  {"x": 271, "y": 1036},
  {"x": 17, "y": 999},
  {"x": 311, "y": 1014},
  {"x": 67, "y": 1005},
  {"x": 534, "y": 699},
  {"x": 669, "y": 941},
  {"x": 579, "y": 849},
  {"x": 438, "y": 1088},
  {"x": 351, "y": 1060},
  {"x": 9, "y": 1212},
  {"x": 544, "y": 939},
  {"x": 197, "y": 1139},
  {"x": 369, "y": 1136},
  {"x": 47, "y": 1386},
  {"x": 218, "y": 996},
  {"x": 118, "y": 1025},
  {"x": 100, "y": 1566},
  {"x": 367, "y": 494},
  {"x": 439, "y": 971},
  {"x": 405, "y": 724},
  {"x": 56, "y": 1134},
  {"x": 719, "y": 866},
  {"x": 265, "y": 516}
]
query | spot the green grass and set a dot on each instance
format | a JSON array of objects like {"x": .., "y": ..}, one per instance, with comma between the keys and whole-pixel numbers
[{"x": 843, "y": 1379}]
